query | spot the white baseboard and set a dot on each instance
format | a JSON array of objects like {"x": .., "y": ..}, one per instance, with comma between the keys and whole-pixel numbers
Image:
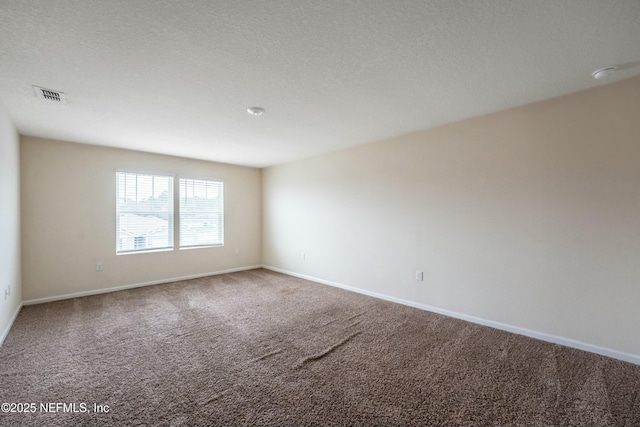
[
  {"x": 627, "y": 357},
  {"x": 135, "y": 285},
  {"x": 8, "y": 328}
]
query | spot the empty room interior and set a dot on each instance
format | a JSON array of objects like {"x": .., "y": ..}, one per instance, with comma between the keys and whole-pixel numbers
[{"x": 320, "y": 213}]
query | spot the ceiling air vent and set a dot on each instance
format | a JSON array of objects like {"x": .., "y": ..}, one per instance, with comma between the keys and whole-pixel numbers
[{"x": 50, "y": 95}]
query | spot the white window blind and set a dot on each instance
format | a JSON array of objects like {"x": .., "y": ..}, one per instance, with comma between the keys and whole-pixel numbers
[
  {"x": 144, "y": 212},
  {"x": 201, "y": 213}
]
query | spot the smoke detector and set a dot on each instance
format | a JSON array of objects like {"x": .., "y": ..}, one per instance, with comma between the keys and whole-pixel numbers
[
  {"x": 255, "y": 111},
  {"x": 603, "y": 73},
  {"x": 50, "y": 95}
]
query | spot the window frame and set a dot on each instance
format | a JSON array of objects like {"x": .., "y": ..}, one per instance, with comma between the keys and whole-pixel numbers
[
  {"x": 171, "y": 213},
  {"x": 176, "y": 219},
  {"x": 178, "y": 224}
]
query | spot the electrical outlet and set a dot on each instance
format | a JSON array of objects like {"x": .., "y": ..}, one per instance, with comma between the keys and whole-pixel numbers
[
  {"x": 237, "y": 252},
  {"x": 98, "y": 266},
  {"x": 419, "y": 276}
]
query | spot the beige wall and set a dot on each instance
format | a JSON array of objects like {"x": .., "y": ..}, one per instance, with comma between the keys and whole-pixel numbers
[
  {"x": 9, "y": 224},
  {"x": 68, "y": 219},
  {"x": 528, "y": 217}
]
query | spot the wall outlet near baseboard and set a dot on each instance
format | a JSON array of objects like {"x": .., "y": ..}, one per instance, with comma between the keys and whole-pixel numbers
[
  {"x": 419, "y": 276},
  {"x": 98, "y": 266}
]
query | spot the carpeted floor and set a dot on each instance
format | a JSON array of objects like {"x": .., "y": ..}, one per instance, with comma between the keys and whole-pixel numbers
[{"x": 262, "y": 348}]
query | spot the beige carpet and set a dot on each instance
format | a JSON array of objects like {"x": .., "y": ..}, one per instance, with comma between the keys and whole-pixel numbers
[{"x": 261, "y": 348}]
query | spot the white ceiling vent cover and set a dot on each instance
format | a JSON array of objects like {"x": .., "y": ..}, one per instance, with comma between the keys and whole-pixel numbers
[{"x": 50, "y": 95}]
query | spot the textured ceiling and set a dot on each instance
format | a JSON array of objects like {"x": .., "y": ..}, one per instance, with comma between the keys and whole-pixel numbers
[{"x": 176, "y": 77}]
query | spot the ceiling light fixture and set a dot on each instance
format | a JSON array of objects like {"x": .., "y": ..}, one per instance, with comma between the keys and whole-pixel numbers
[
  {"x": 604, "y": 72},
  {"x": 255, "y": 111}
]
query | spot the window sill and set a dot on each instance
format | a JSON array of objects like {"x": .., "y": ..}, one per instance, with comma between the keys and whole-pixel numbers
[
  {"x": 186, "y": 248},
  {"x": 144, "y": 251}
]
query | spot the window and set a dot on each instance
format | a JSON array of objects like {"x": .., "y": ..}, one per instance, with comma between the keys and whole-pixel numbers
[
  {"x": 201, "y": 213},
  {"x": 144, "y": 212}
]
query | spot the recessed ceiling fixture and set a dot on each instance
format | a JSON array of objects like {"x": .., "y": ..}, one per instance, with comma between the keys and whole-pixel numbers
[
  {"x": 50, "y": 95},
  {"x": 604, "y": 72},
  {"x": 255, "y": 111}
]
